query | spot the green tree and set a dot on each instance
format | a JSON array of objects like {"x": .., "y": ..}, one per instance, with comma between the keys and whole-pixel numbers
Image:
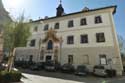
[
  {"x": 121, "y": 45},
  {"x": 15, "y": 35}
]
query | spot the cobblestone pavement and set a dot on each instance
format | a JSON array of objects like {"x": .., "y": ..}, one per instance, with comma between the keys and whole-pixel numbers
[{"x": 57, "y": 77}]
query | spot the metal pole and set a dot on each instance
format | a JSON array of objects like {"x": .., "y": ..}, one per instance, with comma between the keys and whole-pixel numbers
[{"x": 61, "y": 48}]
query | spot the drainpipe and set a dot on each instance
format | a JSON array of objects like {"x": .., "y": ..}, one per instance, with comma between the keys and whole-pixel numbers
[{"x": 61, "y": 49}]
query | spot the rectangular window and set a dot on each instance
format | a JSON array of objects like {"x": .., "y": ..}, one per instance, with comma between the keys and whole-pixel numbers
[
  {"x": 70, "y": 24},
  {"x": 70, "y": 59},
  {"x": 103, "y": 60},
  {"x": 41, "y": 54},
  {"x": 100, "y": 37},
  {"x": 98, "y": 19},
  {"x": 70, "y": 40},
  {"x": 83, "y": 21},
  {"x": 84, "y": 39},
  {"x": 85, "y": 59},
  {"x": 46, "y": 27},
  {"x": 32, "y": 43}
]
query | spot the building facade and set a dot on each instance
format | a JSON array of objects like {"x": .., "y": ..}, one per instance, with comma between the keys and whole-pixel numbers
[{"x": 86, "y": 37}]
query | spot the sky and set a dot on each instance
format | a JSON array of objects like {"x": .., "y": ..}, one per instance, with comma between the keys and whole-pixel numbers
[{"x": 35, "y": 9}]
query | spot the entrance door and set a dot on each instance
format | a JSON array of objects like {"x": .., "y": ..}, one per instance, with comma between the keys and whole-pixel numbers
[
  {"x": 31, "y": 58},
  {"x": 48, "y": 58}
]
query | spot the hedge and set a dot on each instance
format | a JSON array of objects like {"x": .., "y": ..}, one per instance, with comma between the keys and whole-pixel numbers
[{"x": 7, "y": 77}]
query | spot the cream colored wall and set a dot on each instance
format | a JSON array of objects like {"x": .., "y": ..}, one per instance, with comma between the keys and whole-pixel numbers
[
  {"x": 91, "y": 37},
  {"x": 91, "y": 29},
  {"x": 23, "y": 53}
]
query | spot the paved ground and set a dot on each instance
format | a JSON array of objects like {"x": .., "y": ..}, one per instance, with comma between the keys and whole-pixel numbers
[
  {"x": 56, "y": 77},
  {"x": 42, "y": 79}
]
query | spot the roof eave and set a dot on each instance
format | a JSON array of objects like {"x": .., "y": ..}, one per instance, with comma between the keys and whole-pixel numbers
[{"x": 114, "y": 11}]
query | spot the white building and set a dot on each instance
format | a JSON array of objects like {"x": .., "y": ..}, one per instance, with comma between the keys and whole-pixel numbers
[{"x": 86, "y": 37}]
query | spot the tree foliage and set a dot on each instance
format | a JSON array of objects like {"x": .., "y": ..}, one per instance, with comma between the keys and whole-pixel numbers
[
  {"x": 16, "y": 34},
  {"x": 121, "y": 44}
]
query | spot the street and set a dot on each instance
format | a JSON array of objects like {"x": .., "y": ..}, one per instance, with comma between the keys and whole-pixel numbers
[{"x": 56, "y": 77}]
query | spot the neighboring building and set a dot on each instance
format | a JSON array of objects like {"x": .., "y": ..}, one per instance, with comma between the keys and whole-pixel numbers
[
  {"x": 4, "y": 18},
  {"x": 86, "y": 37}
]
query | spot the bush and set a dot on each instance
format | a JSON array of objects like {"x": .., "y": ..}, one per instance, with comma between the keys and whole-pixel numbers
[{"x": 7, "y": 77}]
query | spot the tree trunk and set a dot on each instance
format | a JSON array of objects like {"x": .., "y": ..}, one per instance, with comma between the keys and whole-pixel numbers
[{"x": 11, "y": 60}]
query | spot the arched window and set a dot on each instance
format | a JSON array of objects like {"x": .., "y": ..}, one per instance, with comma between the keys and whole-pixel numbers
[
  {"x": 50, "y": 45},
  {"x": 56, "y": 26}
]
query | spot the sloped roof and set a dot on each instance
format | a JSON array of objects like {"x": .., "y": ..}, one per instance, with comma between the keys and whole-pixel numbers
[{"x": 90, "y": 10}]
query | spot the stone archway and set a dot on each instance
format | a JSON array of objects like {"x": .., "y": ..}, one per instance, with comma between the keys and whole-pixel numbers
[{"x": 51, "y": 44}]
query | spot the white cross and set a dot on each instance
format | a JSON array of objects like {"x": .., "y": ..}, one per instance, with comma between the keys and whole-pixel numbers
[{"x": 60, "y": 1}]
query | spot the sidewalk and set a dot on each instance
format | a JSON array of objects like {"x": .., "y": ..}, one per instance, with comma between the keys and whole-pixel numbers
[{"x": 40, "y": 79}]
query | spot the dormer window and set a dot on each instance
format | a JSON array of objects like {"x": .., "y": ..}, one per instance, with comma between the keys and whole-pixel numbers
[
  {"x": 98, "y": 19},
  {"x": 70, "y": 24},
  {"x": 56, "y": 26},
  {"x": 46, "y": 27}
]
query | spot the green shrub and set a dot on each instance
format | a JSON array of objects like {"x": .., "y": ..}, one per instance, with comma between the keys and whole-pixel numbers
[{"x": 7, "y": 77}]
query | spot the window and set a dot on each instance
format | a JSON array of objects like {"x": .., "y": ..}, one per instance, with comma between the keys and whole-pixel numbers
[
  {"x": 46, "y": 27},
  {"x": 84, "y": 39},
  {"x": 70, "y": 40},
  {"x": 70, "y": 23},
  {"x": 41, "y": 54},
  {"x": 100, "y": 37},
  {"x": 48, "y": 58},
  {"x": 56, "y": 26},
  {"x": 35, "y": 29},
  {"x": 30, "y": 58},
  {"x": 32, "y": 43},
  {"x": 85, "y": 59},
  {"x": 70, "y": 59},
  {"x": 103, "y": 60},
  {"x": 83, "y": 21},
  {"x": 98, "y": 19},
  {"x": 50, "y": 45}
]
